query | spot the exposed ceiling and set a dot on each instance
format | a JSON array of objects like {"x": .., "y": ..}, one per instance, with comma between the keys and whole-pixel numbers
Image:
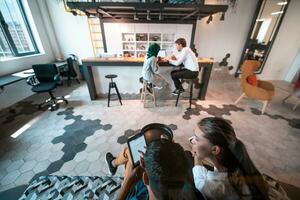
[{"x": 135, "y": 11}]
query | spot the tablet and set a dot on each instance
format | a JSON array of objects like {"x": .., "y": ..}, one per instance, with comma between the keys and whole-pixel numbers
[{"x": 135, "y": 144}]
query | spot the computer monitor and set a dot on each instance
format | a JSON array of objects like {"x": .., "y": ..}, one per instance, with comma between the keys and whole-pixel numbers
[{"x": 162, "y": 53}]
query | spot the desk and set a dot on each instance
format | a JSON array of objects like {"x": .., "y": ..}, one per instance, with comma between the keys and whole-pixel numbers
[
  {"x": 12, "y": 78},
  {"x": 88, "y": 63}
]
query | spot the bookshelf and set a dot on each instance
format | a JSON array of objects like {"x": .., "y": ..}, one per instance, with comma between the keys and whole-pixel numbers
[{"x": 136, "y": 44}]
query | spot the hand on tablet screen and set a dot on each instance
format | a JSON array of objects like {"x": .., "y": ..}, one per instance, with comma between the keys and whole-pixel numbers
[{"x": 142, "y": 162}]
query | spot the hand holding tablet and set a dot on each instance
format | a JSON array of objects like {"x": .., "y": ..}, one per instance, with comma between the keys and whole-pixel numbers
[{"x": 136, "y": 146}]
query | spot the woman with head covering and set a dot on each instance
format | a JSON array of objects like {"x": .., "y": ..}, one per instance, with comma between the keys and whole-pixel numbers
[{"x": 150, "y": 66}]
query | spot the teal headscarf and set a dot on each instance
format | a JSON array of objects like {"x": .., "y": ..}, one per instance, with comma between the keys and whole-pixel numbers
[{"x": 153, "y": 50}]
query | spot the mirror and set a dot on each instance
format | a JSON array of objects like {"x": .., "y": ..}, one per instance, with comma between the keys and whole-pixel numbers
[{"x": 265, "y": 25}]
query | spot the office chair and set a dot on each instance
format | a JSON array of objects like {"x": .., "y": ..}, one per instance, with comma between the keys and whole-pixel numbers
[
  {"x": 46, "y": 79},
  {"x": 70, "y": 73}
]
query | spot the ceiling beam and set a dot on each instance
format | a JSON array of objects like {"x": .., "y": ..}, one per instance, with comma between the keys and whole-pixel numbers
[
  {"x": 191, "y": 14},
  {"x": 99, "y": 10},
  {"x": 181, "y": 12},
  {"x": 146, "y": 6}
]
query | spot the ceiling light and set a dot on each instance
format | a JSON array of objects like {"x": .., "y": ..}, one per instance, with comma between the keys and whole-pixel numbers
[
  {"x": 209, "y": 19},
  {"x": 135, "y": 17},
  {"x": 160, "y": 16},
  {"x": 222, "y": 17},
  {"x": 260, "y": 20},
  {"x": 277, "y": 13},
  {"x": 74, "y": 13},
  {"x": 148, "y": 15},
  {"x": 87, "y": 14},
  {"x": 282, "y": 3}
]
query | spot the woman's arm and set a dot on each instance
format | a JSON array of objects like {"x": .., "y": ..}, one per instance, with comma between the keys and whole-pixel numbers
[{"x": 154, "y": 64}]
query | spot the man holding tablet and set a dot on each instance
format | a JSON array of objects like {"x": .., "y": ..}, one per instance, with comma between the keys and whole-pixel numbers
[{"x": 163, "y": 171}]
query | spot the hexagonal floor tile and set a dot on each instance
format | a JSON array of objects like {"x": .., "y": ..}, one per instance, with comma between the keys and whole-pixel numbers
[
  {"x": 24, "y": 178},
  {"x": 93, "y": 156},
  {"x": 41, "y": 166},
  {"x": 29, "y": 165},
  {"x": 15, "y": 165},
  {"x": 81, "y": 156},
  {"x": 10, "y": 177},
  {"x": 82, "y": 167}
]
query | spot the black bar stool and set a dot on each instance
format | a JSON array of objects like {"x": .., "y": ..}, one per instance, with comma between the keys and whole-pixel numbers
[
  {"x": 112, "y": 84},
  {"x": 191, "y": 83}
]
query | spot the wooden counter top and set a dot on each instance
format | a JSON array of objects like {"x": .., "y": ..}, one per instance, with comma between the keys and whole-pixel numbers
[
  {"x": 131, "y": 60},
  {"x": 205, "y": 65}
]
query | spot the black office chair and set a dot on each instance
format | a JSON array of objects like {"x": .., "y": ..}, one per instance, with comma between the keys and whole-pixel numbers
[
  {"x": 46, "y": 79},
  {"x": 70, "y": 73}
]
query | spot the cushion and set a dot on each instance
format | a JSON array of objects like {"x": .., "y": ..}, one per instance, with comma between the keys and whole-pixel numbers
[
  {"x": 252, "y": 80},
  {"x": 73, "y": 187},
  {"x": 44, "y": 87}
]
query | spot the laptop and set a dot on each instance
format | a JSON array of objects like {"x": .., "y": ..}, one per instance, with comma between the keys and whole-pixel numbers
[{"x": 162, "y": 53}]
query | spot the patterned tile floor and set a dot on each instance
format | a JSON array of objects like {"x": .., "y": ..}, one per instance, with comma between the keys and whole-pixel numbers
[{"x": 74, "y": 139}]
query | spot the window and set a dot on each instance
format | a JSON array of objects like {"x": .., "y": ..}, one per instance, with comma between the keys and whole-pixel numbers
[{"x": 15, "y": 35}]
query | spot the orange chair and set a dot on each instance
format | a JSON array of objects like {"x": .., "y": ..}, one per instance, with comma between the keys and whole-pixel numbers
[{"x": 264, "y": 91}]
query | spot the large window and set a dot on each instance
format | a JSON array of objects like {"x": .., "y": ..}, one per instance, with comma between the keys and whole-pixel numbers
[{"x": 15, "y": 35}]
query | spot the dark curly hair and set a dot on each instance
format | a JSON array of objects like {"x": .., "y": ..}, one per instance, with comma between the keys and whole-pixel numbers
[{"x": 167, "y": 169}]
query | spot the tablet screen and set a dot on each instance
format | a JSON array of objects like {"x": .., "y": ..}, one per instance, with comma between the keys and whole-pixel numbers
[{"x": 136, "y": 144}]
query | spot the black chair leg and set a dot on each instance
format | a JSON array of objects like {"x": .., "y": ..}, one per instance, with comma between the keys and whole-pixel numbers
[
  {"x": 177, "y": 99},
  {"x": 119, "y": 96},
  {"x": 54, "y": 105},
  {"x": 63, "y": 99},
  {"x": 108, "y": 100},
  {"x": 77, "y": 80},
  {"x": 191, "y": 95}
]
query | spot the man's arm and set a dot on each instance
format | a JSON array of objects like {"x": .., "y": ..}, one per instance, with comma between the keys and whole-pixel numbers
[
  {"x": 127, "y": 185},
  {"x": 130, "y": 181},
  {"x": 182, "y": 56}
]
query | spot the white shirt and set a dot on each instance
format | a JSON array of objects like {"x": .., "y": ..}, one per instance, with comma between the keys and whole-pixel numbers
[
  {"x": 213, "y": 184},
  {"x": 188, "y": 58},
  {"x": 149, "y": 68}
]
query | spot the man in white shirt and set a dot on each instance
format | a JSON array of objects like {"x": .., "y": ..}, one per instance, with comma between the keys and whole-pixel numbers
[{"x": 186, "y": 57}]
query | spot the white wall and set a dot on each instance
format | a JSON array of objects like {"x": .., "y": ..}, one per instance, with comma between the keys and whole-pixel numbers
[
  {"x": 291, "y": 75},
  {"x": 221, "y": 37},
  {"x": 113, "y": 32},
  {"x": 72, "y": 32},
  {"x": 18, "y": 91},
  {"x": 285, "y": 48}
]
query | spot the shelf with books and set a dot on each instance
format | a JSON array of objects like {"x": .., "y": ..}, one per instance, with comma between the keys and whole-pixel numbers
[
  {"x": 128, "y": 53},
  {"x": 141, "y": 37},
  {"x": 128, "y": 37}
]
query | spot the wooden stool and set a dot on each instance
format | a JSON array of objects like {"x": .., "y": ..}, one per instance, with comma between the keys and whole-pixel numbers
[
  {"x": 191, "y": 83},
  {"x": 145, "y": 92},
  {"x": 112, "y": 84}
]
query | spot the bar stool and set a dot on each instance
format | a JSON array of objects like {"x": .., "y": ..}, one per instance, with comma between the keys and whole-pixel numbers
[
  {"x": 191, "y": 83},
  {"x": 112, "y": 84},
  {"x": 145, "y": 92}
]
